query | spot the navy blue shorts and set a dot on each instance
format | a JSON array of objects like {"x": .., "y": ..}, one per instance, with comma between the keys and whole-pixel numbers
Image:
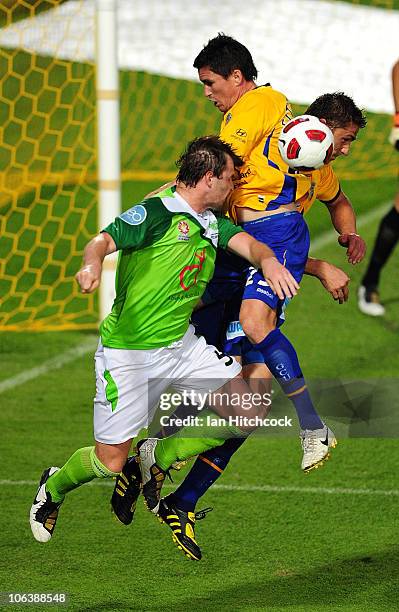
[
  {"x": 226, "y": 286},
  {"x": 228, "y": 279},
  {"x": 288, "y": 235}
]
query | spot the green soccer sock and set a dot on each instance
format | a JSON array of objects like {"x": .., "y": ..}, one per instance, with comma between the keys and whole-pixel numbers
[
  {"x": 193, "y": 440},
  {"x": 81, "y": 467}
]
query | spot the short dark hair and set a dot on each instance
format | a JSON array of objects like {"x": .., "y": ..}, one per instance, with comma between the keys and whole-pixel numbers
[
  {"x": 223, "y": 54},
  {"x": 337, "y": 109},
  {"x": 208, "y": 153}
]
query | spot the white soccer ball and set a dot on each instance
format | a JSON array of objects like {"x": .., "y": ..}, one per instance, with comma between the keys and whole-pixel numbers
[{"x": 306, "y": 143}]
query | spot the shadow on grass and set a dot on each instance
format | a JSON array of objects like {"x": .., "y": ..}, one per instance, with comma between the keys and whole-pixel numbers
[
  {"x": 367, "y": 582},
  {"x": 392, "y": 300}
]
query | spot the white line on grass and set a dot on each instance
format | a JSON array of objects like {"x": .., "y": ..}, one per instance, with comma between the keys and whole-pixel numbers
[
  {"x": 330, "y": 236},
  {"x": 246, "y": 488},
  {"x": 87, "y": 345},
  {"x": 321, "y": 241}
]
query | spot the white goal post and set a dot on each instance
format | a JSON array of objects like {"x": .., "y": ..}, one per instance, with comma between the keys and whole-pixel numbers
[{"x": 107, "y": 93}]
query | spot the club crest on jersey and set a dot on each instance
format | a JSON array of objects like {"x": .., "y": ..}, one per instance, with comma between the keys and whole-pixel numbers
[
  {"x": 229, "y": 117},
  {"x": 184, "y": 230}
]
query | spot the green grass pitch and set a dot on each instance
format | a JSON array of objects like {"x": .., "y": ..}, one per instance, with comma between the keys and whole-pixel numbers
[
  {"x": 277, "y": 539},
  {"x": 319, "y": 548}
]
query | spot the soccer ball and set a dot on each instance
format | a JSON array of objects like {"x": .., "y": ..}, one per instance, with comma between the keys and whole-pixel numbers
[{"x": 306, "y": 143}]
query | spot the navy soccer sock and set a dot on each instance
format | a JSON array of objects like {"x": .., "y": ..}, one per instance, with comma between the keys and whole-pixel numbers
[
  {"x": 385, "y": 242},
  {"x": 281, "y": 359},
  {"x": 207, "y": 468}
]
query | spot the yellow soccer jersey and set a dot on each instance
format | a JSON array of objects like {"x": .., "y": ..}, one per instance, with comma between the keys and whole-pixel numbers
[
  {"x": 324, "y": 186},
  {"x": 252, "y": 126}
]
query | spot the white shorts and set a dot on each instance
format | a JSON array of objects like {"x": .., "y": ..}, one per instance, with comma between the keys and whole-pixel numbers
[{"x": 129, "y": 383}]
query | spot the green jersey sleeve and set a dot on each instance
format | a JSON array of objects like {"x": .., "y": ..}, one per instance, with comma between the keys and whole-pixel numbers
[
  {"x": 227, "y": 230},
  {"x": 140, "y": 226}
]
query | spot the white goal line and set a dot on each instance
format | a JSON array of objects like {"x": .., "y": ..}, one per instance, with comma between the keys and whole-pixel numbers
[{"x": 245, "y": 488}]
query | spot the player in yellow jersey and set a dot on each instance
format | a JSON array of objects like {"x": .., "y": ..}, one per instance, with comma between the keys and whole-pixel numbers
[
  {"x": 345, "y": 120},
  {"x": 265, "y": 203},
  {"x": 253, "y": 126}
]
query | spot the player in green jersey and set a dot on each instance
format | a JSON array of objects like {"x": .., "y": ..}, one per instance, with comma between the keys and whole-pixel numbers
[{"x": 167, "y": 251}]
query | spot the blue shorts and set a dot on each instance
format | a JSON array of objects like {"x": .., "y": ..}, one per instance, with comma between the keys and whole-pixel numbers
[
  {"x": 228, "y": 279},
  {"x": 288, "y": 235},
  {"x": 214, "y": 322},
  {"x": 209, "y": 321},
  {"x": 237, "y": 345},
  {"x": 226, "y": 286}
]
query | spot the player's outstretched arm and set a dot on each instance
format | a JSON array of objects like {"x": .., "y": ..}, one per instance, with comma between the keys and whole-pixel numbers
[
  {"x": 260, "y": 256},
  {"x": 89, "y": 275},
  {"x": 344, "y": 220},
  {"x": 333, "y": 279}
]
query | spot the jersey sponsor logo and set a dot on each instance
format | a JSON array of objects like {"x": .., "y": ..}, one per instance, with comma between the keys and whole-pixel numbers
[
  {"x": 184, "y": 230},
  {"x": 240, "y": 138},
  {"x": 135, "y": 215},
  {"x": 246, "y": 173},
  {"x": 240, "y": 132},
  {"x": 242, "y": 176},
  {"x": 189, "y": 274}
]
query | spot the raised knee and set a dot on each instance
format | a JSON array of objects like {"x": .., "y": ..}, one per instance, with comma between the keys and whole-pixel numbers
[{"x": 255, "y": 330}]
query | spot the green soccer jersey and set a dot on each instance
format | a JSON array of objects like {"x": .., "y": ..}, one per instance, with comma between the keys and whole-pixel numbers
[{"x": 167, "y": 257}]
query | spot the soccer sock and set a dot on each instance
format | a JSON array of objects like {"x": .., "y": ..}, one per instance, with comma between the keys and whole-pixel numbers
[
  {"x": 387, "y": 237},
  {"x": 81, "y": 467},
  {"x": 281, "y": 359},
  {"x": 205, "y": 471},
  {"x": 193, "y": 440},
  {"x": 182, "y": 411}
]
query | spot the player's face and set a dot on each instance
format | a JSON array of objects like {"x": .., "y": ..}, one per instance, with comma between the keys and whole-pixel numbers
[
  {"x": 223, "y": 185},
  {"x": 343, "y": 138},
  {"x": 222, "y": 92}
]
